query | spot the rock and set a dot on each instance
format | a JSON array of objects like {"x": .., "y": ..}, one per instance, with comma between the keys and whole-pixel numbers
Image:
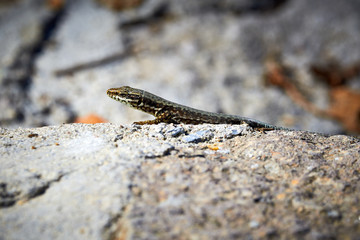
[
  {"x": 106, "y": 181},
  {"x": 200, "y": 136}
]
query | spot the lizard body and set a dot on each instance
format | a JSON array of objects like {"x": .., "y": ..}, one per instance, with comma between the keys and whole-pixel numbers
[{"x": 170, "y": 112}]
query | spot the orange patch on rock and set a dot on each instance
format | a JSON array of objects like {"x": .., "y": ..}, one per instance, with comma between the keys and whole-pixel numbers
[{"x": 90, "y": 119}]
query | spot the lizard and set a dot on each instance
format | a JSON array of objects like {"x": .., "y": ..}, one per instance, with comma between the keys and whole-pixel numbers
[{"x": 170, "y": 112}]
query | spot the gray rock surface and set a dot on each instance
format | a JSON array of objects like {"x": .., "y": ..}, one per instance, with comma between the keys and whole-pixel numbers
[
  {"x": 206, "y": 54},
  {"x": 107, "y": 181}
]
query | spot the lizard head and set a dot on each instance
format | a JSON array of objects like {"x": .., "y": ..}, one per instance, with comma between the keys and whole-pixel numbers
[{"x": 127, "y": 95}]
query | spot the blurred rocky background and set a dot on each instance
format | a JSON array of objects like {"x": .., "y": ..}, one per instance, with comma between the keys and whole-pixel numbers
[{"x": 286, "y": 62}]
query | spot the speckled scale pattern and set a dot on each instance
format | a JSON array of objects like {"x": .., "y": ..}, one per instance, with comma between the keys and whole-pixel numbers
[{"x": 170, "y": 112}]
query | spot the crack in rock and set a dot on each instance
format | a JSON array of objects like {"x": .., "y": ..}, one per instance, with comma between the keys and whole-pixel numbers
[{"x": 9, "y": 198}]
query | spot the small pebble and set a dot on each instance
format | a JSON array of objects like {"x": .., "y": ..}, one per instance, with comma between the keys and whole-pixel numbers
[
  {"x": 199, "y": 136},
  {"x": 176, "y": 131}
]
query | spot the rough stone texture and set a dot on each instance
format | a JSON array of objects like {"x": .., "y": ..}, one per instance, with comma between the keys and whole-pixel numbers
[
  {"x": 107, "y": 181},
  {"x": 22, "y": 34},
  {"x": 206, "y": 54}
]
